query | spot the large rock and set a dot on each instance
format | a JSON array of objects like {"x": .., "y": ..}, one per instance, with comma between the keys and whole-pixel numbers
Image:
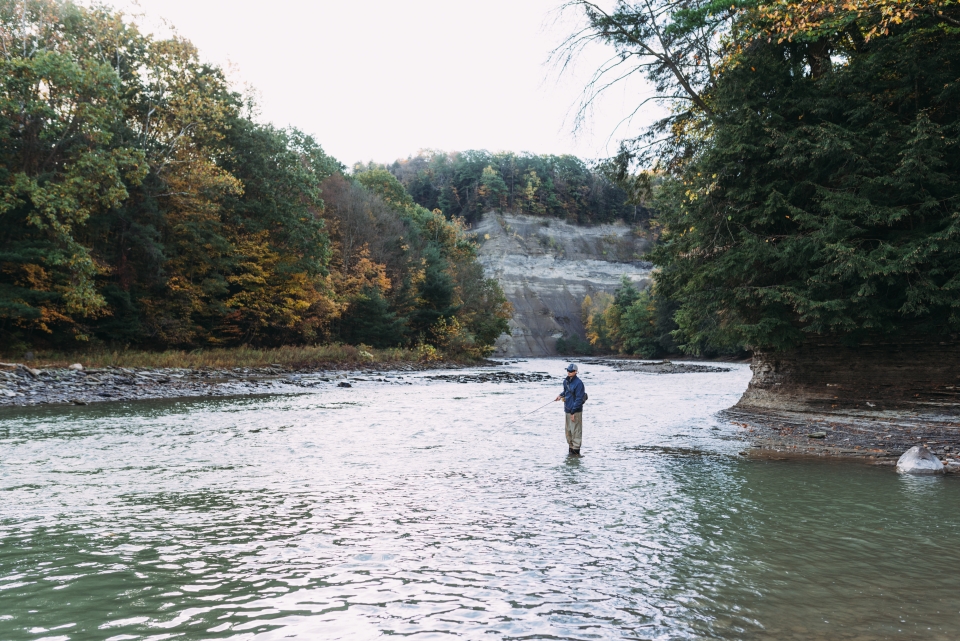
[
  {"x": 919, "y": 460},
  {"x": 919, "y": 373},
  {"x": 887, "y": 393},
  {"x": 546, "y": 267}
]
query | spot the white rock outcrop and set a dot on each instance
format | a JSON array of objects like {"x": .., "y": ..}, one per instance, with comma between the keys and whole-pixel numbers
[
  {"x": 547, "y": 266},
  {"x": 919, "y": 460}
]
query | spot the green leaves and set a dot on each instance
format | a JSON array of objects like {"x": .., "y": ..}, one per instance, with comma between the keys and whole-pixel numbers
[
  {"x": 835, "y": 205},
  {"x": 468, "y": 184},
  {"x": 61, "y": 165}
]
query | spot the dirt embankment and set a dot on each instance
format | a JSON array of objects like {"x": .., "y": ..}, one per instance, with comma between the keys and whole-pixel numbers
[{"x": 874, "y": 401}]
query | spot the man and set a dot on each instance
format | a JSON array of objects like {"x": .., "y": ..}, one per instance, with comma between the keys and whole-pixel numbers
[{"x": 573, "y": 397}]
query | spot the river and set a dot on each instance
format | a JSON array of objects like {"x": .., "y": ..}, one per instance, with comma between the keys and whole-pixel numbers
[{"x": 397, "y": 509}]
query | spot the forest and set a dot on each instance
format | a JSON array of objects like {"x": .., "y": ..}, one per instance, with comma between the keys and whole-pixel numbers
[
  {"x": 142, "y": 204},
  {"x": 466, "y": 184},
  {"x": 807, "y": 179}
]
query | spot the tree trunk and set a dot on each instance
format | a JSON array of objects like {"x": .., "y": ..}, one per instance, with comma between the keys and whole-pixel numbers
[{"x": 819, "y": 58}]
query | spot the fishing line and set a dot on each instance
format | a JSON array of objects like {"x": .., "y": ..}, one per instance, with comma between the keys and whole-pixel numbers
[{"x": 521, "y": 418}]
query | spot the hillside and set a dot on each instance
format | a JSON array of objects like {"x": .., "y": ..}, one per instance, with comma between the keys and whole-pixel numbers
[{"x": 546, "y": 268}]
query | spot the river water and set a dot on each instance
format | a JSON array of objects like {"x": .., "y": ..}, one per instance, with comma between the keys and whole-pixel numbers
[{"x": 396, "y": 509}]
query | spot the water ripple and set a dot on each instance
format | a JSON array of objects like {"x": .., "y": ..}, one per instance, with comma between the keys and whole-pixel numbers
[{"x": 354, "y": 513}]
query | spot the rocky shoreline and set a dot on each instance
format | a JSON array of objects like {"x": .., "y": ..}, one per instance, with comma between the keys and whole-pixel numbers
[
  {"x": 494, "y": 377},
  {"x": 21, "y": 385},
  {"x": 871, "y": 403},
  {"x": 877, "y": 438},
  {"x": 658, "y": 367}
]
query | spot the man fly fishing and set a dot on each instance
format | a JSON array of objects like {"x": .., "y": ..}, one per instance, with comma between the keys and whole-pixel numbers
[{"x": 573, "y": 397}]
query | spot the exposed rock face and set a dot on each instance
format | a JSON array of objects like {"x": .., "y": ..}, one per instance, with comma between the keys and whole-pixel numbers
[
  {"x": 547, "y": 266},
  {"x": 877, "y": 400},
  {"x": 825, "y": 375}
]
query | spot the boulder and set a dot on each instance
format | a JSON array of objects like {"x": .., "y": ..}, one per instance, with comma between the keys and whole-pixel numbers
[
  {"x": 29, "y": 370},
  {"x": 77, "y": 366},
  {"x": 919, "y": 460}
]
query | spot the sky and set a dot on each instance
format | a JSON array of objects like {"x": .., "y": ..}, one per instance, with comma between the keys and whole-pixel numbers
[{"x": 380, "y": 80}]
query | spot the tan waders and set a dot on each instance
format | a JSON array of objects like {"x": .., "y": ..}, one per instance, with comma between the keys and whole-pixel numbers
[{"x": 574, "y": 431}]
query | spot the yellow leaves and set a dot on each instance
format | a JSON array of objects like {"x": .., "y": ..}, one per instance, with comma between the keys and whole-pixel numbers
[
  {"x": 363, "y": 273},
  {"x": 270, "y": 297},
  {"x": 788, "y": 19}
]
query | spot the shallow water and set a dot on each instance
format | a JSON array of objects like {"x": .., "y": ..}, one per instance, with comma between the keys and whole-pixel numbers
[{"x": 397, "y": 509}]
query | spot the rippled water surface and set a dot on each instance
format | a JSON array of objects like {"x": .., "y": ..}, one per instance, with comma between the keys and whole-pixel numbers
[{"x": 394, "y": 509}]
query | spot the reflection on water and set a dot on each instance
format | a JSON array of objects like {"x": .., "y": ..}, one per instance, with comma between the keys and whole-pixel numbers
[{"x": 388, "y": 509}]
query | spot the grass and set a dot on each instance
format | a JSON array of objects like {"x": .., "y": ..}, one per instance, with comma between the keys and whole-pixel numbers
[{"x": 298, "y": 357}]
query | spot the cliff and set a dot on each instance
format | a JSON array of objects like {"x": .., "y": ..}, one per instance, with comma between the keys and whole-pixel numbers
[
  {"x": 547, "y": 266},
  {"x": 875, "y": 400}
]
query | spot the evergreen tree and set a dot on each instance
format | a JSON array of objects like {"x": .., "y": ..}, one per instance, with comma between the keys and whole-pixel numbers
[
  {"x": 370, "y": 321},
  {"x": 826, "y": 199}
]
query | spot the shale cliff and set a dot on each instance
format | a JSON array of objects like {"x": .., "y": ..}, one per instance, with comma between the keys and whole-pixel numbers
[
  {"x": 874, "y": 400},
  {"x": 547, "y": 266}
]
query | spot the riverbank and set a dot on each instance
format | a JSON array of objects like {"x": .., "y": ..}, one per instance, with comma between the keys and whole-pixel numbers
[
  {"x": 290, "y": 356},
  {"x": 24, "y": 385},
  {"x": 878, "y": 438}
]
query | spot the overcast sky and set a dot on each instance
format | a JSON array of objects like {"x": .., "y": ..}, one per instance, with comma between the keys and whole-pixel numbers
[{"x": 381, "y": 79}]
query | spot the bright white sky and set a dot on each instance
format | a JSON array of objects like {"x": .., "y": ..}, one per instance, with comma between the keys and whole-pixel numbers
[{"x": 381, "y": 79}]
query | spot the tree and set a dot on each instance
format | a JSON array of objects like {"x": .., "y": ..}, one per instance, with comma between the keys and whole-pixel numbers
[
  {"x": 61, "y": 162},
  {"x": 471, "y": 183},
  {"x": 817, "y": 208},
  {"x": 370, "y": 321},
  {"x": 806, "y": 178}
]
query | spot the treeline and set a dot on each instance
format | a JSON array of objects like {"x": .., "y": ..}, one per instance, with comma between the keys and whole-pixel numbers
[
  {"x": 141, "y": 204},
  {"x": 810, "y": 175},
  {"x": 467, "y": 184},
  {"x": 629, "y": 321}
]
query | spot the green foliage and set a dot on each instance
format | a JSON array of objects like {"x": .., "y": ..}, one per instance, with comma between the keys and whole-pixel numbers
[
  {"x": 139, "y": 204},
  {"x": 467, "y": 184},
  {"x": 821, "y": 203},
  {"x": 574, "y": 346},
  {"x": 630, "y": 322},
  {"x": 443, "y": 298},
  {"x": 598, "y": 315},
  {"x": 638, "y": 328},
  {"x": 370, "y": 321},
  {"x": 61, "y": 162}
]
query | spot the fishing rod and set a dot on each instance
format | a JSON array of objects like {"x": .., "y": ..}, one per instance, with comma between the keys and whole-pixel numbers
[{"x": 521, "y": 418}]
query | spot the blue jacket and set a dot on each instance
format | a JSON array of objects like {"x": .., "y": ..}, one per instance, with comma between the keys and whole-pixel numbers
[{"x": 573, "y": 395}]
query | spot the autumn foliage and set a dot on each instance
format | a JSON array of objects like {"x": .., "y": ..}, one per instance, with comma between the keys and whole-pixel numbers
[{"x": 142, "y": 204}]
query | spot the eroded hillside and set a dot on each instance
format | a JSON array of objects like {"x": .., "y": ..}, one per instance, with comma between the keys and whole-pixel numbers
[{"x": 547, "y": 266}]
